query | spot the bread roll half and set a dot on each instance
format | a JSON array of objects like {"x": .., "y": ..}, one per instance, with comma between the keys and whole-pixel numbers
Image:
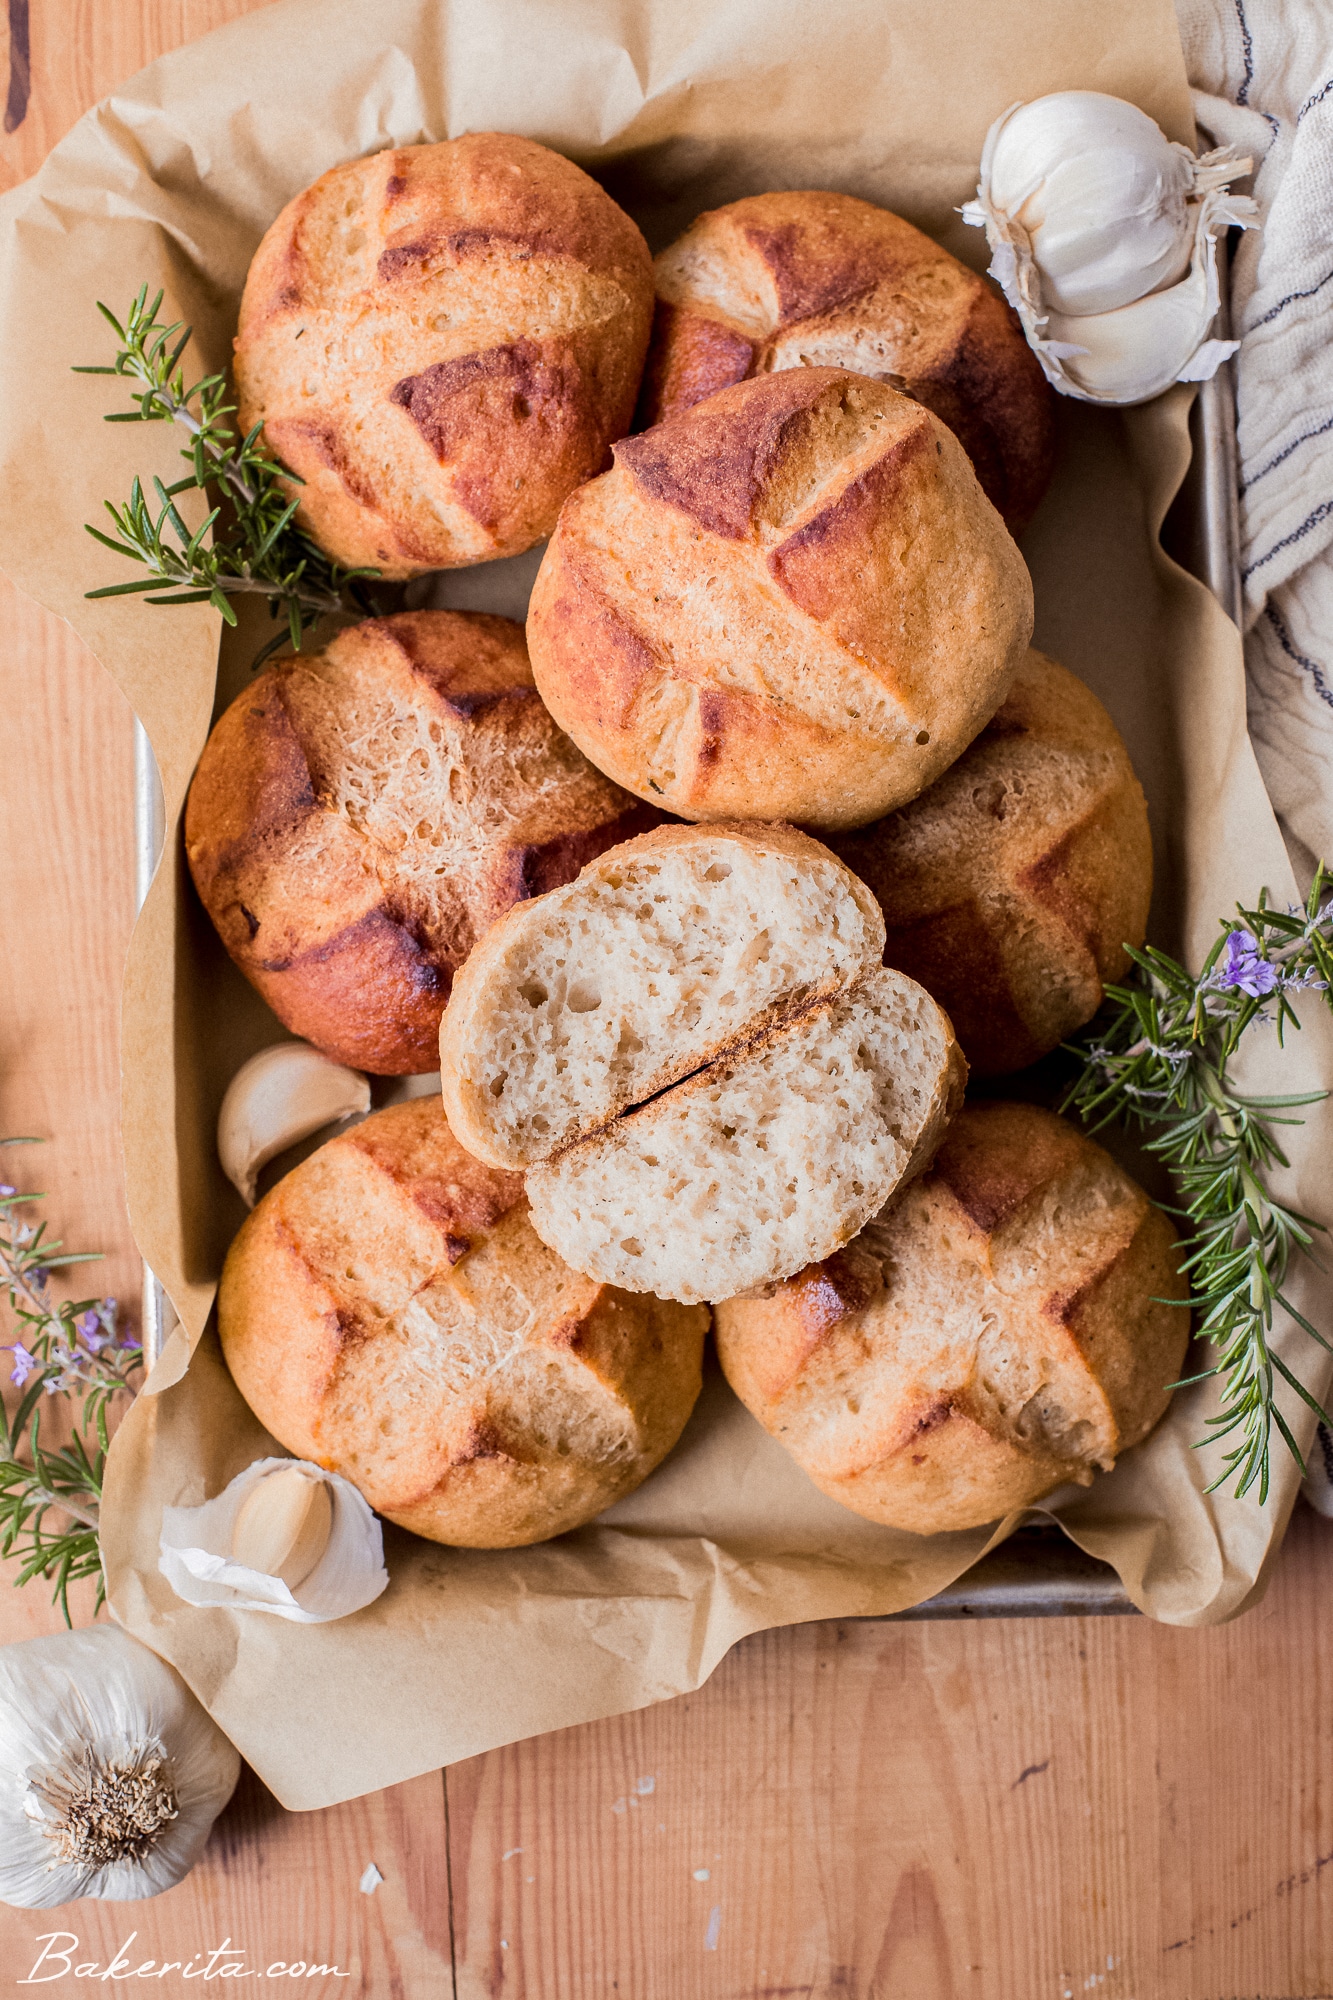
[
  {"x": 697, "y": 1056},
  {"x": 389, "y": 1312},
  {"x": 792, "y": 602},
  {"x": 1013, "y": 1321}
]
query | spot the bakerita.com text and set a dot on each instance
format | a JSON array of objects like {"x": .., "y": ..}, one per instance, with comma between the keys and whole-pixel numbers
[{"x": 60, "y": 1958}]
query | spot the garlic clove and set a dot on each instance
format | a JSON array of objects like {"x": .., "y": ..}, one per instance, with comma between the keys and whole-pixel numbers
[
  {"x": 205, "y": 1552},
  {"x": 283, "y": 1526},
  {"x": 1134, "y": 353},
  {"x": 279, "y": 1097}
]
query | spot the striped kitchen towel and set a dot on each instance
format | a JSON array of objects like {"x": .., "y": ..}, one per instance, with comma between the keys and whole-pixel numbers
[{"x": 1262, "y": 72}]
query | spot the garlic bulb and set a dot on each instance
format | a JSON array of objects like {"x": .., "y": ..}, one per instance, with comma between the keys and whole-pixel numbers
[
  {"x": 285, "y": 1537},
  {"x": 1091, "y": 212},
  {"x": 111, "y": 1773},
  {"x": 280, "y": 1096}
]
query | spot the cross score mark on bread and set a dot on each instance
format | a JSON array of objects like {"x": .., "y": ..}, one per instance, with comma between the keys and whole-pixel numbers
[
  {"x": 389, "y": 1312},
  {"x": 1012, "y": 886},
  {"x": 361, "y": 815},
  {"x": 697, "y": 1055},
  {"x": 792, "y": 602},
  {"x": 998, "y": 1331},
  {"x": 806, "y": 279},
  {"x": 442, "y": 341}
]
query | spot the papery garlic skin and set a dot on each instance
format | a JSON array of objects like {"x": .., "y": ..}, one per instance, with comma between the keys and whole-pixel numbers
[
  {"x": 1091, "y": 214},
  {"x": 93, "y": 1718},
  {"x": 197, "y": 1543},
  {"x": 1100, "y": 193},
  {"x": 278, "y": 1098}
]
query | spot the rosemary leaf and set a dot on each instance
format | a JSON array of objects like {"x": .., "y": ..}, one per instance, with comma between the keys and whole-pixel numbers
[
  {"x": 250, "y": 543},
  {"x": 1158, "y": 1058},
  {"x": 65, "y": 1348}
]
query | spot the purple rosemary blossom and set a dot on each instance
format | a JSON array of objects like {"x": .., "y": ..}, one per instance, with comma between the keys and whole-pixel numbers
[
  {"x": 25, "y": 1364},
  {"x": 89, "y": 1325},
  {"x": 6, "y": 1190},
  {"x": 1243, "y": 967}
]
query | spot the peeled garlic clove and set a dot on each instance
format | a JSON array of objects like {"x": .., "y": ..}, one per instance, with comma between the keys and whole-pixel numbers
[
  {"x": 281, "y": 1096},
  {"x": 245, "y": 1549},
  {"x": 283, "y": 1526}
]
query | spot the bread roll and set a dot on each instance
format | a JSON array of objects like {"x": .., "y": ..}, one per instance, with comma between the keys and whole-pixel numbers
[
  {"x": 697, "y": 1056},
  {"x": 792, "y": 602},
  {"x": 388, "y": 1312},
  {"x": 997, "y": 1331},
  {"x": 361, "y": 815},
  {"x": 1011, "y": 887},
  {"x": 811, "y": 278},
  {"x": 442, "y": 341}
]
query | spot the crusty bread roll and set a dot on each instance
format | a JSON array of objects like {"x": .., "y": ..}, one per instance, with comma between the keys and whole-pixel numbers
[
  {"x": 1011, "y": 887},
  {"x": 361, "y": 815},
  {"x": 997, "y": 1331},
  {"x": 792, "y": 602},
  {"x": 696, "y": 1054},
  {"x": 442, "y": 341},
  {"x": 388, "y": 1312},
  {"x": 800, "y": 279}
]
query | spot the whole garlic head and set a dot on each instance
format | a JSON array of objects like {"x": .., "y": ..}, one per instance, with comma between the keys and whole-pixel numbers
[
  {"x": 1090, "y": 211},
  {"x": 284, "y": 1536},
  {"x": 1101, "y": 194},
  {"x": 111, "y": 1773},
  {"x": 279, "y": 1097}
]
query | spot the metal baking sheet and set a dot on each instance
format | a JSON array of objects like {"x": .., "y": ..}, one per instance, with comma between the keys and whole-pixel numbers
[{"x": 1038, "y": 1573}]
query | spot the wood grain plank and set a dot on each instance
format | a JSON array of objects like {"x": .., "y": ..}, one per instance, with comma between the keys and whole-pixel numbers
[
  {"x": 82, "y": 49},
  {"x": 991, "y": 1809},
  {"x": 280, "y": 1888}
]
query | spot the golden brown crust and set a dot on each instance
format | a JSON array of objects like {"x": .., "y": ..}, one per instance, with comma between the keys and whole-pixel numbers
[
  {"x": 998, "y": 1331},
  {"x": 361, "y": 815},
  {"x": 791, "y": 602},
  {"x": 785, "y": 279},
  {"x": 1011, "y": 887},
  {"x": 388, "y": 1312},
  {"x": 442, "y": 341}
]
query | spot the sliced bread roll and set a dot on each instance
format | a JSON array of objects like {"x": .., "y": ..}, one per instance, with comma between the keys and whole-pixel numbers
[{"x": 697, "y": 1056}]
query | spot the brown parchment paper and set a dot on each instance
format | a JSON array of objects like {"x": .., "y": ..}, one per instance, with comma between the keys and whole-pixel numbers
[{"x": 676, "y": 105}]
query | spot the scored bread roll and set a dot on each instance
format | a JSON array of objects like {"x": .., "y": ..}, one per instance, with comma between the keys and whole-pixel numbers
[
  {"x": 1011, "y": 887},
  {"x": 442, "y": 341},
  {"x": 1002, "y": 1328},
  {"x": 362, "y": 814},
  {"x": 389, "y": 1313},
  {"x": 793, "y": 602},
  {"x": 697, "y": 1056},
  {"x": 801, "y": 279}
]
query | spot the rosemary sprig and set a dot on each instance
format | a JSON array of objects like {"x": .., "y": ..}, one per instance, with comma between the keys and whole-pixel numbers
[
  {"x": 248, "y": 543},
  {"x": 63, "y": 1347},
  {"x": 1162, "y": 1062}
]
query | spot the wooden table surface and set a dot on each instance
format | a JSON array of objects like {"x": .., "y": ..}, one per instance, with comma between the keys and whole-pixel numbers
[{"x": 1012, "y": 1810}]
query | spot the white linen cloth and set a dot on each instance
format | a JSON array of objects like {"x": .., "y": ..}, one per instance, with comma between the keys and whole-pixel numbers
[{"x": 1262, "y": 72}]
